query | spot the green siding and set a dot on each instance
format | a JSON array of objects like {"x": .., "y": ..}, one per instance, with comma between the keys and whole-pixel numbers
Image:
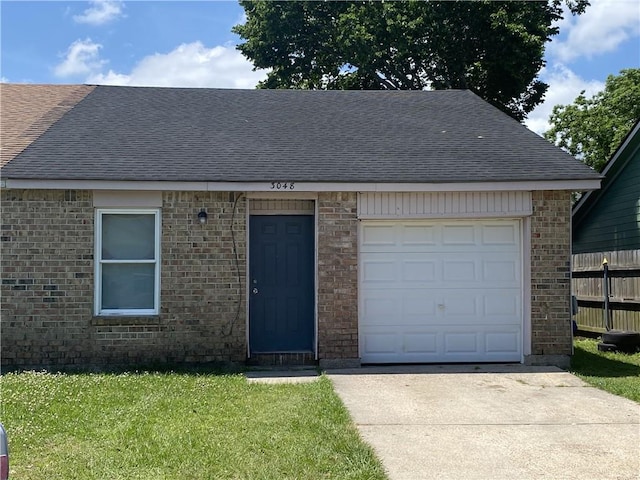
[{"x": 613, "y": 223}]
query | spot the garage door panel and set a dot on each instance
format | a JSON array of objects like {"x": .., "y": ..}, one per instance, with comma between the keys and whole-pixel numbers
[
  {"x": 414, "y": 307},
  {"x": 438, "y": 249},
  {"x": 411, "y": 306},
  {"x": 500, "y": 234},
  {"x": 460, "y": 342},
  {"x": 503, "y": 304},
  {"x": 417, "y": 235},
  {"x": 383, "y": 269},
  {"x": 426, "y": 343},
  {"x": 378, "y": 235},
  {"x": 458, "y": 306},
  {"x": 417, "y": 304},
  {"x": 380, "y": 309},
  {"x": 466, "y": 267},
  {"x": 459, "y": 234},
  {"x": 502, "y": 342},
  {"x": 413, "y": 236},
  {"x": 441, "y": 291},
  {"x": 460, "y": 270},
  {"x": 382, "y": 345},
  {"x": 504, "y": 270},
  {"x": 418, "y": 270},
  {"x": 388, "y": 268}
]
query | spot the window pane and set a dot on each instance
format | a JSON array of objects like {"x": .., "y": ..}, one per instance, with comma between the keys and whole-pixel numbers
[
  {"x": 128, "y": 236},
  {"x": 128, "y": 285}
]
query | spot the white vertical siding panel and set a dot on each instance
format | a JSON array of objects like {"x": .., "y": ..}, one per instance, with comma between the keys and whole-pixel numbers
[{"x": 442, "y": 204}]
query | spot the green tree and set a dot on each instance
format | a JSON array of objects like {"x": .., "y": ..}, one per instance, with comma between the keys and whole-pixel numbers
[
  {"x": 492, "y": 48},
  {"x": 593, "y": 128}
]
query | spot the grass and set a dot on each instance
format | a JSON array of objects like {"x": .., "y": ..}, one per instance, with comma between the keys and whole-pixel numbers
[
  {"x": 178, "y": 426},
  {"x": 617, "y": 373}
]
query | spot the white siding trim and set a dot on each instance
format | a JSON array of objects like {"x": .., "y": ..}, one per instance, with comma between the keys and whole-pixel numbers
[
  {"x": 279, "y": 206},
  {"x": 526, "y": 286},
  {"x": 574, "y": 185},
  {"x": 300, "y": 195},
  {"x": 444, "y": 205},
  {"x": 126, "y": 199}
]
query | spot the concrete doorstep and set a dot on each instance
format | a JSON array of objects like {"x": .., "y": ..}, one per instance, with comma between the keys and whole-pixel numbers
[{"x": 282, "y": 376}]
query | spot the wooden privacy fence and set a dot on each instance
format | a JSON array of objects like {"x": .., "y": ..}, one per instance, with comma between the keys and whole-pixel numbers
[{"x": 624, "y": 290}]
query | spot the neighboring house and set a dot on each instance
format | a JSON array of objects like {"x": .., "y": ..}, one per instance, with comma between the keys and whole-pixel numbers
[
  {"x": 606, "y": 224},
  {"x": 27, "y": 111},
  {"x": 193, "y": 225}
]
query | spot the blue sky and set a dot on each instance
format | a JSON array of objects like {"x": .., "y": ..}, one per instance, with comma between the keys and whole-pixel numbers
[{"x": 190, "y": 44}]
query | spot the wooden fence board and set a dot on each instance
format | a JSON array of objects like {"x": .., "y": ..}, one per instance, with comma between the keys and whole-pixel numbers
[{"x": 624, "y": 290}]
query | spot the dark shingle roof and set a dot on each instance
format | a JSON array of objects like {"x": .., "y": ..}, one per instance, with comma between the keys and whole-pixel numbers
[{"x": 178, "y": 134}]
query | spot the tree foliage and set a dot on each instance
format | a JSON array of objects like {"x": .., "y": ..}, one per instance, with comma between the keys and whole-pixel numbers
[
  {"x": 593, "y": 128},
  {"x": 492, "y": 48}
]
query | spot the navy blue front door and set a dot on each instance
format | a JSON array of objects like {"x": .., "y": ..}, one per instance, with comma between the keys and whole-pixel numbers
[{"x": 281, "y": 283}]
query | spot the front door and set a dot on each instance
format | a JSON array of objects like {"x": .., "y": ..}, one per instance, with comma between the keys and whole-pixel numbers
[{"x": 281, "y": 283}]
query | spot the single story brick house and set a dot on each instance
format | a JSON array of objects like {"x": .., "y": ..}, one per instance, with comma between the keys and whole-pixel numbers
[{"x": 169, "y": 225}]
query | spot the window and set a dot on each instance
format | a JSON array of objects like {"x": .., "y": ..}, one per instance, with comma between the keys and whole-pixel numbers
[{"x": 127, "y": 258}]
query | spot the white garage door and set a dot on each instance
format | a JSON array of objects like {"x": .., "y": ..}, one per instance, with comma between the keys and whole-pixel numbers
[{"x": 440, "y": 291}]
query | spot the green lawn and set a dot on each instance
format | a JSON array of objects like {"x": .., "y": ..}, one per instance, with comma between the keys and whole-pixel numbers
[
  {"x": 618, "y": 373},
  {"x": 178, "y": 426}
]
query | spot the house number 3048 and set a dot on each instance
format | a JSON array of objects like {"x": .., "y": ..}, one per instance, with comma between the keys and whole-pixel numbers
[{"x": 282, "y": 186}]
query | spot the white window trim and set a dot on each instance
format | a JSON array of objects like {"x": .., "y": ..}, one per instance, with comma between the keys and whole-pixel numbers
[{"x": 99, "y": 262}]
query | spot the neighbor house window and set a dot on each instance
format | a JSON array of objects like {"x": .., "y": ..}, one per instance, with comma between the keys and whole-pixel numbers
[{"x": 127, "y": 261}]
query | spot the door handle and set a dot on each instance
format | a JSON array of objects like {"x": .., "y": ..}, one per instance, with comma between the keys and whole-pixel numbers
[{"x": 255, "y": 290}]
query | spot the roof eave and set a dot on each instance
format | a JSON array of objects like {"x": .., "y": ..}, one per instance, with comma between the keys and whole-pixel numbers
[{"x": 584, "y": 184}]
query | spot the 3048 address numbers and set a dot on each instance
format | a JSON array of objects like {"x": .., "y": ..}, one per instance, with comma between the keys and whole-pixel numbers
[{"x": 282, "y": 186}]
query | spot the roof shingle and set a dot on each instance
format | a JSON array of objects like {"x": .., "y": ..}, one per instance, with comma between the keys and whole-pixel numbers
[
  {"x": 27, "y": 111},
  {"x": 179, "y": 134}
]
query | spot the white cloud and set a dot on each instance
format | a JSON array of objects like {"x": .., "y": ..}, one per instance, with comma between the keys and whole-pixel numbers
[
  {"x": 242, "y": 19},
  {"x": 188, "y": 65},
  {"x": 564, "y": 87},
  {"x": 604, "y": 25},
  {"x": 82, "y": 58},
  {"x": 100, "y": 12},
  {"x": 4, "y": 80}
]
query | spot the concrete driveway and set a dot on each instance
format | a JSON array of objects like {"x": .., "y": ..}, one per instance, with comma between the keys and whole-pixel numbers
[{"x": 491, "y": 422}]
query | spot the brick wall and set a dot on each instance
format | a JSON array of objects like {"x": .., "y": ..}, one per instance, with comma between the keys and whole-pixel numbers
[
  {"x": 47, "y": 284},
  {"x": 47, "y": 276},
  {"x": 337, "y": 279},
  {"x": 550, "y": 277},
  {"x": 203, "y": 293}
]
